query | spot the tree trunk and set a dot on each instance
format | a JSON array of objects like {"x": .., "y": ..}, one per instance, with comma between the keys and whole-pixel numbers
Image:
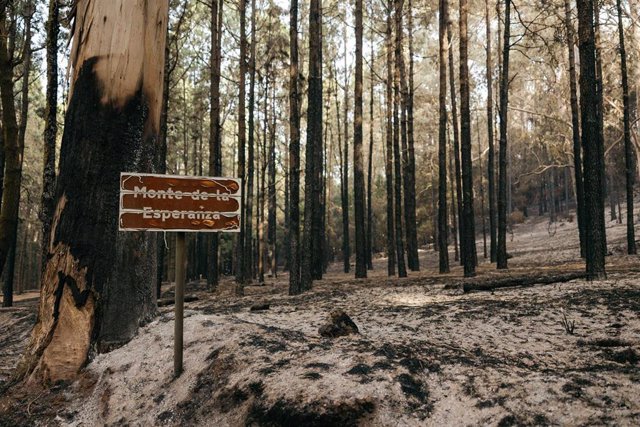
[
  {"x": 388, "y": 165},
  {"x": 491, "y": 162},
  {"x": 443, "y": 231},
  {"x": 344, "y": 184},
  {"x": 408, "y": 179},
  {"x": 271, "y": 233},
  {"x": 248, "y": 219},
  {"x": 51, "y": 126},
  {"x": 629, "y": 155},
  {"x": 358, "y": 162},
  {"x": 241, "y": 243},
  {"x": 593, "y": 161},
  {"x": 402, "y": 270},
  {"x": 600, "y": 115},
  {"x": 468, "y": 235},
  {"x": 456, "y": 138},
  {"x": 411, "y": 170},
  {"x": 311, "y": 251},
  {"x": 215, "y": 145},
  {"x": 12, "y": 155},
  {"x": 575, "y": 125},
  {"x": 502, "y": 178},
  {"x": 454, "y": 221},
  {"x": 96, "y": 291},
  {"x": 370, "y": 165},
  {"x": 484, "y": 222},
  {"x": 294, "y": 155}
]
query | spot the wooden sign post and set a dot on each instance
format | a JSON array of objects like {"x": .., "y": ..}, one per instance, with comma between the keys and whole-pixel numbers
[{"x": 183, "y": 204}]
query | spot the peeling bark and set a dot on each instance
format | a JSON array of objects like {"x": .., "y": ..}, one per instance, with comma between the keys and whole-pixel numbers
[{"x": 98, "y": 283}]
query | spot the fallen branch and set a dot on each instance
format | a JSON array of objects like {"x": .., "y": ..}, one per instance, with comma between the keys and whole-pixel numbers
[
  {"x": 510, "y": 282},
  {"x": 170, "y": 301}
]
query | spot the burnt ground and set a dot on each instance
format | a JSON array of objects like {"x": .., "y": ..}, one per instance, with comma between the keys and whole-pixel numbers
[{"x": 426, "y": 353}]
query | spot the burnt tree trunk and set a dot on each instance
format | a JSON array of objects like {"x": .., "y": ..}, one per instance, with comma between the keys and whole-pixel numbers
[
  {"x": 358, "y": 162},
  {"x": 629, "y": 155},
  {"x": 402, "y": 270},
  {"x": 215, "y": 143},
  {"x": 12, "y": 156},
  {"x": 248, "y": 259},
  {"x": 344, "y": 183},
  {"x": 388, "y": 164},
  {"x": 369, "y": 251},
  {"x": 502, "y": 178},
  {"x": 443, "y": 231},
  {"x": 456, "y": 139},
  {"x": 491, "y": 161},
  {"x": 240, "y": 263},
  {"x": 593, "y": 161},
  {"x": 467, "y": 214},
  {"x": 294, "y": 154},
  {"x": 97, "y": 291},
  {"x": 575, "y": 125},
  {"x": 51, "y": 125},
  {"x": 311, "y": 250}
]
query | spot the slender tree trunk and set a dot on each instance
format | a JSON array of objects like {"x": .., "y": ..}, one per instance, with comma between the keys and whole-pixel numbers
[
  {"x": 629, "y": 155},
  {"x": 271, "y": 234},
  {"x": 13, "y": 157},
  {"x": 411, "y": 170},
  {"x": 51, "y": 126},
  {"x": 311, "y": 250},
  {"x": 97, "y": 291},
  {"x": 215, "y": 148},
  {"x": 370, "y": 164},
  {"x": 593, "y": 185},
  {"x": 241, "y": 244},
  {"x": 600, "y": 112},
  {"x": 454, "y": 221},
  {"x": 388, "y": 165},
  {"x": 456, "y": 137},
  {"x": 443, "y": 231},
  {"x": 502, "y": 180},
  {"x": 248, "y": 220},
  {"x": 295, "y": 285},
  {"x": 344, "y": 185},
  {"x": 484, "y": 222},
  {"x": 491, "y": 162},
  {"x": 575, "y": 124},
  {"x": 407, "y": 181},
  {"x": 358, "y": 162},
  {"x": 469, "y": 236},
  {"x": 402, "y": 271}
]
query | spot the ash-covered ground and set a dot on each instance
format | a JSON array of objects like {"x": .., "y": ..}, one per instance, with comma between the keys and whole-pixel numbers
[{"x": 426, "y": 352}]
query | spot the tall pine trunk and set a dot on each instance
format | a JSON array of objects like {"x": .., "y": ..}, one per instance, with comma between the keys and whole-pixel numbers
[
  {"x": 51, "y": 125},
  {"x": 443, "y": 231},
  {"x": 402, "y": 270},
  {"x": 248, "y": 219},
  {"x": 96, "y": 291},
  {"x": 240, "y": 263},
  {"x": 593, "y": 160},
  {"x": 358, "y": 162},
  {"x": 491, "y": 162},
  {"x": 629, "y": 155},
  {"x": 294, "y": 154},
  {"x": 370, "y": 164},
  {"x": 575, "y": 125},
  {"x": 456, "y": 137},
  {"x": 215, "y": 140},
  {"x": 468, "y": 232},
  {"x": 502, "y": 178},
  {"x": 344, "y": 183},
  {"x": 388, "y": 164},
  {"x": 311, "y": 251}
]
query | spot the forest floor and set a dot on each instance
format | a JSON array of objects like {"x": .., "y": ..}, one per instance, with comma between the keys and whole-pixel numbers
[{"x": 426, "y": 353}]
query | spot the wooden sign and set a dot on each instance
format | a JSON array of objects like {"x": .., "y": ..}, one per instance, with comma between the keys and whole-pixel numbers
[{"x": 179, "y": 203}]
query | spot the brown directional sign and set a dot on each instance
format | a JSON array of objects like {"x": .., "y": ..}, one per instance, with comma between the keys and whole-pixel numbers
[{"x": 179, "y": 203}]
